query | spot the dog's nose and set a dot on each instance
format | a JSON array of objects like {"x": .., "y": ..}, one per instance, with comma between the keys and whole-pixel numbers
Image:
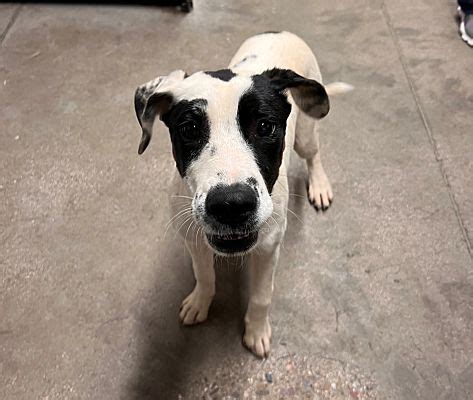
[{"x": 231, "y": 204}]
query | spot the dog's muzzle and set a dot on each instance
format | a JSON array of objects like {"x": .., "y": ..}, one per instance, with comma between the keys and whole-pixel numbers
[{"x": 231, "y": 212}]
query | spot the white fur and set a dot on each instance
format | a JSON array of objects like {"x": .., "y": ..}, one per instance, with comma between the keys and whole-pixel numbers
[{"x": 336, "y": 88}]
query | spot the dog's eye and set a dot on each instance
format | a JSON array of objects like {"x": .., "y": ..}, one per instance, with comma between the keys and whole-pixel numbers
[
  {"x": 265, "y": 128},
  {"x": 188, "y": 129}
]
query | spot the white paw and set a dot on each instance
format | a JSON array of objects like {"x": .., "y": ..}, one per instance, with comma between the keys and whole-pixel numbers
[
  {"x": 195, "y": 307},
  {"x": 257, "y": 337},
  {"x": 320, "y": 191}
]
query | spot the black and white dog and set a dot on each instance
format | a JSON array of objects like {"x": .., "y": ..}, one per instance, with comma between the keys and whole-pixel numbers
[{"x": 232, "y": 132}]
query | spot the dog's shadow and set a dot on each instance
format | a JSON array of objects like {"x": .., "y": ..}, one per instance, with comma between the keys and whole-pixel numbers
[
  {"x": 169, "y": 354},
  {"x": 172, "y": 356}
]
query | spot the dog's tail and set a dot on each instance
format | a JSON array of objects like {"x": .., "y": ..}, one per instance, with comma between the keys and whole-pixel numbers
[{"x": 336, "y": 88}]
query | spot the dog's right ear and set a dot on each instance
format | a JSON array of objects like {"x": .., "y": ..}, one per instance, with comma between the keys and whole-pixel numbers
[{"x": 154, "y": 98}]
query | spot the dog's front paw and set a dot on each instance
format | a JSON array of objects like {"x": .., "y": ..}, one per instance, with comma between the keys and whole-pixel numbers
[
  {"x": 257, "y": 337},
  {"x": 320, "y": 191},
  {"x": 195, "y": 307}
]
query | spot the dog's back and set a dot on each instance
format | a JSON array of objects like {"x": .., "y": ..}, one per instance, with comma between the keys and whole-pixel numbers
[{"x": 275, "y": 49}]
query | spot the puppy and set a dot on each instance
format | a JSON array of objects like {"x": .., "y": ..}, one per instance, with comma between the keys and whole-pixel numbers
[{"x": 232, "y": 131}]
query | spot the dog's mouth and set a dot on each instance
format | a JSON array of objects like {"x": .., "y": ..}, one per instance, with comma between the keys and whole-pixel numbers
[{"x": 233, "y": 243}]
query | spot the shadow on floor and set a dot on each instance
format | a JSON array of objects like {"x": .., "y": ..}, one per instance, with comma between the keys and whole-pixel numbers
[{"x": 170, "y": 354}]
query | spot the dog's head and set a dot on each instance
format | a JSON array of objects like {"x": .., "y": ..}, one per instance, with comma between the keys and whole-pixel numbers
[{"x": 227, "y": 133}]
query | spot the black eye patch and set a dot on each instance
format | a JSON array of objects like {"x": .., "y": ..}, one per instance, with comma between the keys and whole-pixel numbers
[
  {"x": 189, "y": 130},
  {"x": 262, "y": 116}
]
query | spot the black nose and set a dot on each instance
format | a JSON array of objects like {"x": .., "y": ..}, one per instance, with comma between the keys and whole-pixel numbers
[{"x": 231, "y": 204}]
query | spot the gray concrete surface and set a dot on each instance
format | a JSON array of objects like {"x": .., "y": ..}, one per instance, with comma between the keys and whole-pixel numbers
[{"x": 374, "y": 299}]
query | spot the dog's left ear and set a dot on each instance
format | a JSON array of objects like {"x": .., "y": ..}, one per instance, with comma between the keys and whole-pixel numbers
[
  {"x": 309, "y": 95},
  {"x": 154, "y": 98}
]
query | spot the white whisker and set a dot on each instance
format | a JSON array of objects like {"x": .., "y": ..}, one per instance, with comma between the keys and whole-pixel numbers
[
  {"x": 289, "y": 194},
  {"x": 183, "y": 211},
  {"x": 192, "y": 223},
  {"x": 182, "y": 197},
  {"x": 179, "y": 215},
  {"x": 199, "y": 230},
  {"x": 189, "y": 218},
  {"x": 293, "y": 213}
]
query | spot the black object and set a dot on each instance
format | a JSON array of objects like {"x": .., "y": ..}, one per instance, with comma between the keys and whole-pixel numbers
[
  {"x": 184, "y": 5},
  {"x": 466, "y": 6}
]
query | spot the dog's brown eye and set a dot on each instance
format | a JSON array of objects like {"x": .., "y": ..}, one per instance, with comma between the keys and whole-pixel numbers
[
  {"x": 188, "y": 129},
  {"x": 265, "y": 128}
]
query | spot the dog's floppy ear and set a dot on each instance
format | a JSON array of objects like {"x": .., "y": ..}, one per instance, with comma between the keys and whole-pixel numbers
[
  {"x": 151, "y": 99},
  {"x": 309, "y": 95}
]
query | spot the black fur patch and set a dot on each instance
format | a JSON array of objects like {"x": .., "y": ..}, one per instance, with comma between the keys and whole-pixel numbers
[
  {"x": 222, "y": 74},
  {"x": 252, "y": 182},
  {"x": 269, "y": 32},
  {"x": 263, "y": 103},
  {"x": 187, "y": 145}
]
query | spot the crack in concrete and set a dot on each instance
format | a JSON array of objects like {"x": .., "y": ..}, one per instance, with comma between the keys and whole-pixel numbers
[
  {"x": 337, "y": 313},
  {"x": 428, "y": 129},
  {"x": 10, "y": 24}
]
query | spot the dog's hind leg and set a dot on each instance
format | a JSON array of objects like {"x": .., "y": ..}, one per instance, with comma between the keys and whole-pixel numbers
[
  {"x": 195, "y": 307},
  {"x": 307, "y": 147}
]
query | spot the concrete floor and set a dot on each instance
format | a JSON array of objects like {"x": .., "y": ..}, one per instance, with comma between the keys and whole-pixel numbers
[{"x": 373, "y": 299}]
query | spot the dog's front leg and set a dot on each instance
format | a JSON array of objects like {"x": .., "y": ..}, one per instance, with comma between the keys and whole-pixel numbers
[
  {"x": 195, "y": 307},
  {"x": 257, "y": 328}
]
